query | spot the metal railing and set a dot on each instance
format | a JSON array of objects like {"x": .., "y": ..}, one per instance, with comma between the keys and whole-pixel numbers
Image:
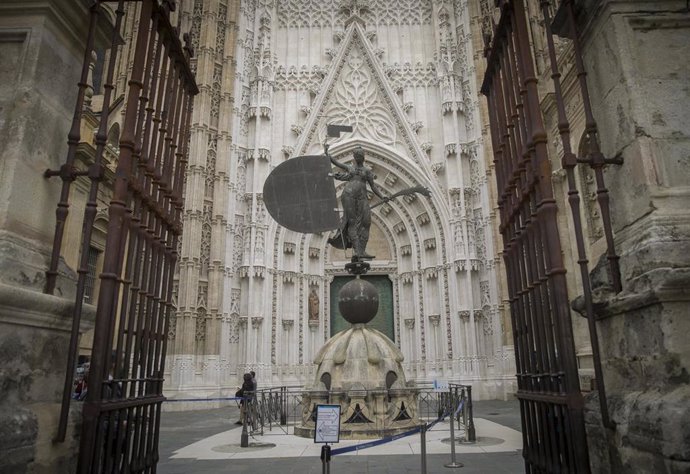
[{"x": 282, "y": 407}]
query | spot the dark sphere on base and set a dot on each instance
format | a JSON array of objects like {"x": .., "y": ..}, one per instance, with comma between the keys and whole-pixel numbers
[{"x": 358, "y": 301}]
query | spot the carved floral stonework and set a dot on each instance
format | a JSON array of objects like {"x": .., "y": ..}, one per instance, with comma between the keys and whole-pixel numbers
[
  {"x": 414, "y": 103},
  {"x": 329, "y": 13},
  {"x": 200, "y": 330},
  {"x": 356, "y": 101}
]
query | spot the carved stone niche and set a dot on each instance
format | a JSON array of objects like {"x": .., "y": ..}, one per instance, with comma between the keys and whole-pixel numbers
[
  {"x": 289, "y": 277},
  {"x": 406, "y": 278},
  {"x": 390, "y": 180},
  {"x": 423, "y": 219},
  {"x": 289, "y": 248},
  {"x": 431, "y": 273},
  {"x": 410, "y": 198}
]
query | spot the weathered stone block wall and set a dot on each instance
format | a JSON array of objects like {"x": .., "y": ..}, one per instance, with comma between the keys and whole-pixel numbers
[
  {"x": 636, "y": 56},
  {"x": 41, "y": 51},
  {"x": 34, "y": 333}
]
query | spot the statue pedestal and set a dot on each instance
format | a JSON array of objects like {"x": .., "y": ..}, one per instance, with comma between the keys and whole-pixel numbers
[{"x": 360, "y": 369}]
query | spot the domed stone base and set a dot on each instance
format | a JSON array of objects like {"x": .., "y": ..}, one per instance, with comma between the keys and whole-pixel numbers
[
  {"x": 360, "y": 369},
  {"x": 364, "y": 414}
]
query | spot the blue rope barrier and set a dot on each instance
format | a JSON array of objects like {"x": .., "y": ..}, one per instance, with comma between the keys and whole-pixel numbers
[
  {"x": 204, "y": 399},
  {"x": 459, "y": 407},
  {"x": 385, "y": 439},
  {"x": 371, "y": 444}
]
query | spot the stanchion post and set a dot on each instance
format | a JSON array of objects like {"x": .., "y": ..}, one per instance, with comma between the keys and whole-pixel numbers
[
  {"x": 453, "y": 462},
  {"x": 423, "y": 435},
  {"x": 326, "y": 459},
  {"x": 283, "y": 406},
  {"x": 244, "y": 439},
  {"x": 471, "y": 434}
]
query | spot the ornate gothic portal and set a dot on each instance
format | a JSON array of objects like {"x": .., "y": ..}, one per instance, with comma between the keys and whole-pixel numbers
[{"x": 402, "y": 74}]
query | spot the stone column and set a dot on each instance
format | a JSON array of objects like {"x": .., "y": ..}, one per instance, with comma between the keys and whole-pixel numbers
[
  {"x": 636, "y": 55},
  {"x": 41, "y": 54}
]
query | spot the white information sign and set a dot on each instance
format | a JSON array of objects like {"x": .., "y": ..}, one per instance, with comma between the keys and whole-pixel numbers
[
  {"x": 441, "y": 386},
  {"x": 327, "y": 424}
]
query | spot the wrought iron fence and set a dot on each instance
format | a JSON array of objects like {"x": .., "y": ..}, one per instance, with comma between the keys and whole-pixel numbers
[
  {"x": 282, "y": 407},
  {"x": 548, "y": 383},
  {"x": 121, "y": 414}
]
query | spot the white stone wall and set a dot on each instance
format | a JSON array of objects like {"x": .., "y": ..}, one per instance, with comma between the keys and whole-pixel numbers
[{"x": 402, "y": 73}]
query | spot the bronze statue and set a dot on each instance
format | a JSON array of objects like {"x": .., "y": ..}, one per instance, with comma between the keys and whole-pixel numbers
[
  {"x": 353, "y": 231},
  {"x": 356, "y": 220}
]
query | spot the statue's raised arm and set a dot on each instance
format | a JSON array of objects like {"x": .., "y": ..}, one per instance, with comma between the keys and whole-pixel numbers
[{"x": 333, "y": 160}]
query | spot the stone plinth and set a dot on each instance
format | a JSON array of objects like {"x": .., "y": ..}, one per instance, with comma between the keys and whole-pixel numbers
[
  {"x": 360, "y": 370},
  {"x": 34, "y": 334}
]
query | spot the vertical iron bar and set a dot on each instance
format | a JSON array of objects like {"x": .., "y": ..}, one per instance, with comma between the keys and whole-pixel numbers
[
  {"x": 95, "y": 175},
  {"x": 569, "y": 162},
  {"x": 596, "y": 158},
  {"x": 106, "y": 309},
  {"x": 66, "y": 171},
  {"x": 546, "y": 209}
]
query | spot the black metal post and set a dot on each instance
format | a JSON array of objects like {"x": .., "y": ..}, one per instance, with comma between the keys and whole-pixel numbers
[
  {"x": 423, "y": 436},
  {"x": 453, "y": 463},
  {"x": 326, "y": 459},
  {"x": 471, "y": 433},
  {"x": 244, "y": 439},
  {"x": 283, "y": 406}
]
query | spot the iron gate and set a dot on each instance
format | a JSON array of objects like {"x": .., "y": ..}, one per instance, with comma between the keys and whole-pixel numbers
[
  {"x": 551, "y": 403},
  {"x": 121, "y": 414}
]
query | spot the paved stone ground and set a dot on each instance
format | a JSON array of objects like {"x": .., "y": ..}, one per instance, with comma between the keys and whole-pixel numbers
[{"x": 180, "y": 429}]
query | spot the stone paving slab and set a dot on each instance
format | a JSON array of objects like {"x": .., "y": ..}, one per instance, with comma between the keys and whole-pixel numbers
[
  {"x": 207, "y": 441},
  {"x": 282, "y": 445},
  {"x": 494, "y": 463}
]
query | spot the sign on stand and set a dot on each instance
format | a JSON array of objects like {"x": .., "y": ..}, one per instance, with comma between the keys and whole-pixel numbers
[
  {"x": 327, "y": 424},
  {"x": 441, "y": 386}
]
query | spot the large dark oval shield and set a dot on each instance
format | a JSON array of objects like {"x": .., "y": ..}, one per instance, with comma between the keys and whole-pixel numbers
[{"x": 300, "y": 195}]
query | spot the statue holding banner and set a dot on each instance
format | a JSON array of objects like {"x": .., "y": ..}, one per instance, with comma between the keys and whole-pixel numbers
[
  {"x": 300, "y": 195},
  {"x": 356, "y": 219}
]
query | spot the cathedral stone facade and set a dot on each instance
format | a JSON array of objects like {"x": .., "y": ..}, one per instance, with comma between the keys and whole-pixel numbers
[{"x": 272, "y": 75}]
